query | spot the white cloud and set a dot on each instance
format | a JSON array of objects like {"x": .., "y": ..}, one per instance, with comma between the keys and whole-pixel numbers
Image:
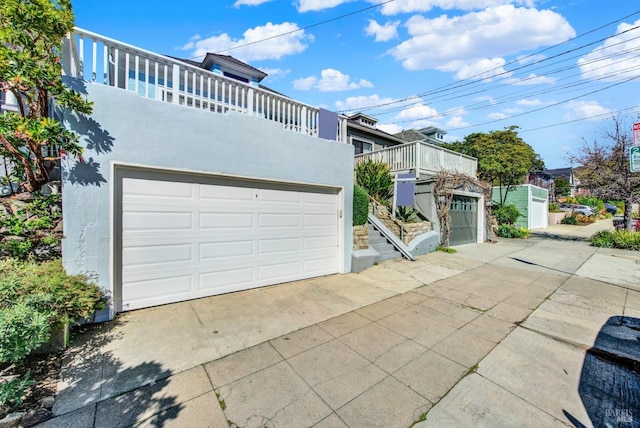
[
  {"x": 529, "y": 103},
  {"x": 616, "y": 59},
  {"x": 456, "y": 122},
  {"x": 411, "y": 6},
  {"x": 527, "y": 59},
  {"x": 383, "y": 33},
  {"x": 484, "y": 69},
  {"x": 354, "y": 104},
  {"x": 290, "y": 44},
  {"x": 330, "y": 80},
  {"x": 489, "y": 99},
  {"x": 390, "y": 128},
  {"x": 275, "y": 73},
  {"x": 497, "y": 116},
  {"x": 239, "y": 3},
  {"x": 316, "y": 5},
  {"x": 450, "y": 44},
  {"x": 585, "y": 110},
  {"x": 418, "y": 111},
  {"x": 532, "y": 79}
]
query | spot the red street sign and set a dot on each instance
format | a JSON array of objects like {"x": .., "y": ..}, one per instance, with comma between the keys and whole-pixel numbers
[{"x": 636, "y": 134}]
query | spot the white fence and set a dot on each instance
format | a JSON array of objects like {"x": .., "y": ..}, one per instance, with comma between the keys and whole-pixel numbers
[
  {"x": 99, "y": 59},
  {"x": 424, "y": 158}
]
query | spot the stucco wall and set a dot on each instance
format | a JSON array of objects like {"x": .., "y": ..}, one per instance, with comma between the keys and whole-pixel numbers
[{"x": 126, "y": 128}]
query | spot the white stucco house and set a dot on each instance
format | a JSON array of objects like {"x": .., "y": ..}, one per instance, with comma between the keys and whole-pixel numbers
[{"x": 196, "y": 180}]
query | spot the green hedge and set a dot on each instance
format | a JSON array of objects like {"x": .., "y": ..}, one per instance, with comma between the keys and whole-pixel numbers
[
  {"x": 621, "y": 239},
  {"x": 511, "y": 231},
  {"x": 505, "y": 214},
  {"x": 360, "y": 205}
]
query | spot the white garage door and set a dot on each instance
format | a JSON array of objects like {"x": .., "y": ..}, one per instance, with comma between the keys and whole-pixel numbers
[
  {"x": 183, "y": 240},
  {"x": 538, "y": 217}
]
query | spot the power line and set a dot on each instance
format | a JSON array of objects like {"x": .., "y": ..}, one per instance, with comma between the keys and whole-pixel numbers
[{"x": 355, "y": 12}]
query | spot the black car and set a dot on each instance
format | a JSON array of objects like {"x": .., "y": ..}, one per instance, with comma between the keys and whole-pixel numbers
[{"x": 610, "y": 208}]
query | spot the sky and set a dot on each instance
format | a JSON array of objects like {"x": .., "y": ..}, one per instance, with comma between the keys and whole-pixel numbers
[{"x": 560, "y": 70}]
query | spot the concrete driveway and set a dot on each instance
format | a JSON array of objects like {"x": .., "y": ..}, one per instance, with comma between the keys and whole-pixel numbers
[{"x": 494, "y": 335}]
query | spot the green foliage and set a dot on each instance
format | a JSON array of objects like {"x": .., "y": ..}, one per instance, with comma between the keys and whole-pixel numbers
[
  {"x": 65, "y": 297},
  {"x": 505, "y": 214},
  {"x": 621, "y": 239},
  {"x": 407, "y": 214},
  {"x": 561, "y": 187},
  {"x": 554, "y": 208},
  {"x": 595, "y": 203},
  {"x": 360, "y": 205},
  {"x": 572, "y": 219},
  {"x": 448, "y": 250},
  {"x": 12, "y": 391},
  {"x": 511, "y": 231},
  {"x": 17, "y": 248},
  {"x": 33, "y": 218},
  {"x": 22, "y": 329},
  {"x": 375, "y": 177},
  {"x": 504, "y": 159},
  {"x": 31, "y": 34}
]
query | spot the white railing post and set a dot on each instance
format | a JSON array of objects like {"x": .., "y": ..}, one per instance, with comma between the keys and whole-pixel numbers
[
  {"x": 175, "y": 84},
  {"x": 250, "y": 101}
]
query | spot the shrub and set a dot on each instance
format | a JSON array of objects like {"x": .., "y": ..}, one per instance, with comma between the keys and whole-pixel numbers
[
  {"x": 375, "y": 178},
  {"x": 407, "y": 214},
  {"x": 621, "y": 239},
  {"x": 12, "y": 391},
  {"x": 360, "y": 205},
  {"x": 65, "y": 297},
  {"x": 554, "y": 208},
  {"x": 585, "y": 219},
  {"x": 17, "y": 248},
  {"x": 570, "y": 220},
  {"x": 22, "y": 329},
  {"x": 595, "y": 203},
  {"x": 505, "y": 214},
  {"x": 511, "y": 231}
]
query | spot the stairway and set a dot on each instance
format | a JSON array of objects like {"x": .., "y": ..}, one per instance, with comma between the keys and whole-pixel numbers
[{"x": 381, "y": 245}]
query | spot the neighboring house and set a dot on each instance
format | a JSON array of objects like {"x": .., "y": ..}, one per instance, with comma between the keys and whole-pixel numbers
[
  {"x": 196, "y": 180},
  {"x": 531, "y": 201},
  {"x": 430, "y": 134},
  {"x": 364, "y": 136},
  {"x": 416, "y": 154},
  {"x": 546, "y": 178}
]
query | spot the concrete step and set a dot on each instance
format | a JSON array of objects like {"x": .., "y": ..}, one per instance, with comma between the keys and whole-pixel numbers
[
  {"x": 377, "y": 240},
  {"x": 387, "y": 255}
]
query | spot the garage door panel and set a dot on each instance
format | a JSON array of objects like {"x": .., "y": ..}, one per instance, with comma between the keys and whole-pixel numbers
[
  {"x": 155, "y": 254},
  {"x": 268, "y": 195},
  {"x": 210, "y": 251},
  {"x": 158, "y": 189},
  {"x": 226, "y": 193},
  {"x": 218, "y": 239},
  {"x": 157, "y": 221},
  {"x": 226, "y": 279},
  {"x": 237, "y": 220},
  {"x": 168, "y": 286}
]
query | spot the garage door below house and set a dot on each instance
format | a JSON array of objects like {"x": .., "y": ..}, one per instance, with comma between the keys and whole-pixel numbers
[
  {"x": 183, "y": 240},
  {"x": 464, "y": 220}
]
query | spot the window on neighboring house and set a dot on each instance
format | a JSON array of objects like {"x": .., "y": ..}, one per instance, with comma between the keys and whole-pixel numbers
[{"x": 361, "y": 146}]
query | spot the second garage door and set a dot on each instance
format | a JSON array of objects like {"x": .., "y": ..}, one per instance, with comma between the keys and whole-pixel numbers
[{"x": 182, "y": 240}]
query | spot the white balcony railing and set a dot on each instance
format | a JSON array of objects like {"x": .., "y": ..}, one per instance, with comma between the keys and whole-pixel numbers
[
  {"x": 424, "y": 158},
  {"x": 99, "y": 59}
]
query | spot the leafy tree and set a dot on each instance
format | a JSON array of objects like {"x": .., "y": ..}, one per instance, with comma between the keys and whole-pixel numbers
[
  {"x": 375, "y": 177},
  {"x": 504, "y": 159},
  {"x": 561, "y": 187},
  {"x": 605, "y": 167},
  {"x": 31, "y": 34}
]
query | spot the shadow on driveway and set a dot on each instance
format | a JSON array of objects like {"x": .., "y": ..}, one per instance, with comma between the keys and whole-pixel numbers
[{"x": 610, "y": 380}]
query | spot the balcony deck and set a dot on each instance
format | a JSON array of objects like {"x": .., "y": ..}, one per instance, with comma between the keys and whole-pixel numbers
[
  {"x": 424, "y": 158},
  {"x": 102, "y": 60}
]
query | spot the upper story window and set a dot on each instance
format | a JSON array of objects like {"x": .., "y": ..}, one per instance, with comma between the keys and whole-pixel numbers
[{"x": 361, "y": 146}]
